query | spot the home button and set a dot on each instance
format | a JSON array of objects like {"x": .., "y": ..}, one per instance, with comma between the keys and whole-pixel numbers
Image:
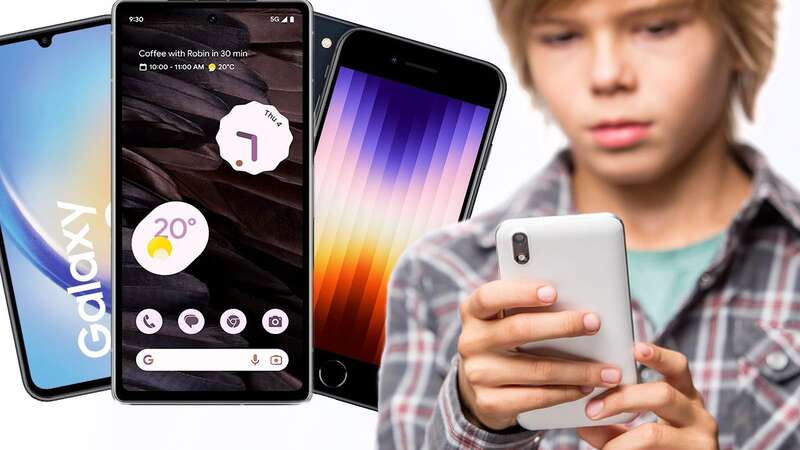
[{"x": 332, "y": 373}]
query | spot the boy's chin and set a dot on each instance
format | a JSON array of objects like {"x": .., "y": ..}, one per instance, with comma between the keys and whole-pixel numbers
[{"x": 628, "y": 167}]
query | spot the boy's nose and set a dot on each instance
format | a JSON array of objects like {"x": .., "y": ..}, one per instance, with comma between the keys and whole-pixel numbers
[{"x": 610, "y": 73}]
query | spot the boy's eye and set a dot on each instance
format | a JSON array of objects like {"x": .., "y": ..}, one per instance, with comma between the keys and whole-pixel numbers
[
  {"x": 659, "y": 29},
  {"x": 559, "y": 38}
]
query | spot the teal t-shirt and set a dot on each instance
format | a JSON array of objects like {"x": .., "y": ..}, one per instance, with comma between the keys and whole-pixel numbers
[{"x": 661, "y": 279}]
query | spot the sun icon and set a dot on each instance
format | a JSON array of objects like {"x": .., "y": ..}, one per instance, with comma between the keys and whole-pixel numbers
[{"x": 159, "y": 248}]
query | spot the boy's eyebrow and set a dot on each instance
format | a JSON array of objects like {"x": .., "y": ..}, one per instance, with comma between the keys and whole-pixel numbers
[
  {"x": 660, "y": 6},
  {"x": 551, "y": 20}
]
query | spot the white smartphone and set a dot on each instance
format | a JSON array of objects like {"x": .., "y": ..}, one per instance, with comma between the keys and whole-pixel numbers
[{"x": 583, "y": 257}]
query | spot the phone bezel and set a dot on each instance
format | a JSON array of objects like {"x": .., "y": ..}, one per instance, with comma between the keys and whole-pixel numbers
[
  {"x": 333, "y": 28},
  {"x": 71, "y": 390},
  {"x": 370, "y": 50},
  {"x": 117, "y": 388}
]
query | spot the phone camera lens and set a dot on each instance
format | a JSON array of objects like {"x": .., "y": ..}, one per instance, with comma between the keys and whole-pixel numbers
[
  {"x": 212, "y": 18},
  {"x": 520, "y": 248},
  {"x": 45, "y": 41}
]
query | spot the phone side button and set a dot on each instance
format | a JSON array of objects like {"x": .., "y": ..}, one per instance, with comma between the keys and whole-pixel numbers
[{"x": 332, "y": 373}]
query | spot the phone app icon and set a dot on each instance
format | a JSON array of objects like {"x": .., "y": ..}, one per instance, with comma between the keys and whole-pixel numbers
[
  {"x": 170, "y": 238},
  {"x": 149, "y": 321},
  {"x": 191, "y": 321},
  {"x": 254, "y": 138},
  {"x": 233, "y": 321},
  {"x": 275, "y": 321}
]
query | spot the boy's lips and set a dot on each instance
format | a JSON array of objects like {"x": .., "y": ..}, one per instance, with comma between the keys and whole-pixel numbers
[{"x": 619, "y": 133}]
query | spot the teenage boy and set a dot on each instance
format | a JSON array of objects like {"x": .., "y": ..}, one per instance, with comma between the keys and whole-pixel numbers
[{"x": 646, "y": 92}]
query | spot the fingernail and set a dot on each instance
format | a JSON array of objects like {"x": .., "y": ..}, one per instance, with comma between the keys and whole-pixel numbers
[
  {"x": 611, "y": 376},
  {"x": 644, "y": 349},
  {"x": 591, "y": 322},
  {"x": 594, "y": 407},
  {"x": 546, "y": 294},
  {"x": 586, "y": 389}
]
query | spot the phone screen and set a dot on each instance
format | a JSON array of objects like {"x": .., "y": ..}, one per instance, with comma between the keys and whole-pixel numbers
[
  {"x": 393, "y": 161},
  {"x": 213, "y": 190},
  {"x": 55, "y": 189}
]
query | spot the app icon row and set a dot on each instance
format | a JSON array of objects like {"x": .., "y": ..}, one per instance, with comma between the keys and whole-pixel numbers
[{"x": 232, "y": 321}]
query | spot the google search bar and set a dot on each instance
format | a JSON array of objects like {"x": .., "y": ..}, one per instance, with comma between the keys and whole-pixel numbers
[{"x": 212, "y": 359}]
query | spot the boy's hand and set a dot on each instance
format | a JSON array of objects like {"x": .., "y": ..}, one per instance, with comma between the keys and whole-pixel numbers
[
  {"x": 683, "y": 420},
  {"x": 496, "y": 382}
]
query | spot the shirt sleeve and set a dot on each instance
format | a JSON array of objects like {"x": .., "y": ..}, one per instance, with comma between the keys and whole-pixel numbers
[{"x": 419, "y": 405}]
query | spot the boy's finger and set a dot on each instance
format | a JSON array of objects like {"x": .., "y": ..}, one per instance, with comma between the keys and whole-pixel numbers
[
  {"x": 598, "y": 436},
  {"x": 673, "y": 365},
  {"x": 659, "y": 397},
  {"x": 494, "y": 369},
  {"x": 490, "y": 299},
  {"x": 513, "y": 331}
]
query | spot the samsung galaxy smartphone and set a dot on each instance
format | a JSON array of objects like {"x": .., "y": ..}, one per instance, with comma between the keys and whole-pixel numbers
[
  {"x": 403, "y": 138},
  {"x": 583, "y": 257},
  {"x": 212, "y": 242},
  {"x": 55, "y": 190},
  {"x": 328, "y": 31}
]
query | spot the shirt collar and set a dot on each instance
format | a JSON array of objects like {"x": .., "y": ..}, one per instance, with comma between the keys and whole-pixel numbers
[{"x": 550, "y": 193}]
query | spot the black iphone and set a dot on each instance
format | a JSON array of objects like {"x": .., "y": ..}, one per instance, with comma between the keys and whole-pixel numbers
[
  {"x": 403, "y": 136},
  {"x": 55, "y": 193},
  {"x": 212, "y": 243}
]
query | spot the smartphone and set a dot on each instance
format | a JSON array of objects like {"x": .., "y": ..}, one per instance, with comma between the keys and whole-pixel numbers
[
  {"x": 403, "y": 137},
  {"x": 583, "y": 256},
  {"x": 213, "y": 201},
  {"x": 55, "y": 193},
  {"x": 328, "y": 31}
]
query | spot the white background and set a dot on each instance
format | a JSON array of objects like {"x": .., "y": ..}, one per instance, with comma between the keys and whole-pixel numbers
[{"x": 522, "y": 144}]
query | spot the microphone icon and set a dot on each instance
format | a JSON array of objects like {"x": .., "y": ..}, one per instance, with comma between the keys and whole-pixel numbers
[{"x": 254, "y": 359}]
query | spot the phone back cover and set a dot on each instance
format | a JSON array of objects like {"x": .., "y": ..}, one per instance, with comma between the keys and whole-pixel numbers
[{"x": 583, "y": 257}]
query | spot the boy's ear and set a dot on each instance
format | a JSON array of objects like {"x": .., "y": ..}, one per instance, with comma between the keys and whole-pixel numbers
[{"x": 739, "y": 65}]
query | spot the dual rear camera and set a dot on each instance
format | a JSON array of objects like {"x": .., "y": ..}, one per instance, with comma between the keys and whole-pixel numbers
[{"x": 519, "y": 242}]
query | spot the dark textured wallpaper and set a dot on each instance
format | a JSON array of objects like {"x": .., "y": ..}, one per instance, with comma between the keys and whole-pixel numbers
[{"x": 254, "y": 260}]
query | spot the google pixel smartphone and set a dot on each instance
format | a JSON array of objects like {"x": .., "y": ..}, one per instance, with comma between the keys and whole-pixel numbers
[
  {"x": 213, "y": 201},
  {"x": 583, "y": 257},
  {"x": 328, "y": 30},
  {"x": 55, "y": 189},
  {"x": 402, "y": 141}
]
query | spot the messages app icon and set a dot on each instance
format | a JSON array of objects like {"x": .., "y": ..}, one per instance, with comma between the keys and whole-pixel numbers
[
  {"x": 254, "y": 138},
  {"x": 170, "y": 238}
]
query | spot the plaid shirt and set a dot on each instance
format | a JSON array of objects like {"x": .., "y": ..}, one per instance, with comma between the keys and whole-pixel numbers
[{"x": 739, "y": 327}]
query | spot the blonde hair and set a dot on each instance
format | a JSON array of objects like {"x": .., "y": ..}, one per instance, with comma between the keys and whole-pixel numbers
[{"x": 749, "y": 27}]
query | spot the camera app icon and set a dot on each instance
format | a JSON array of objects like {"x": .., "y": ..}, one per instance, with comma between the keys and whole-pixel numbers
[
  {"x": 275, "y": 321},
  {"x": 276, "y": 360}
]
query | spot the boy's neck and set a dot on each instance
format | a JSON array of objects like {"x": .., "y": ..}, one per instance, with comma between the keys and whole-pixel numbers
[{"x": 695, "y": 200}]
